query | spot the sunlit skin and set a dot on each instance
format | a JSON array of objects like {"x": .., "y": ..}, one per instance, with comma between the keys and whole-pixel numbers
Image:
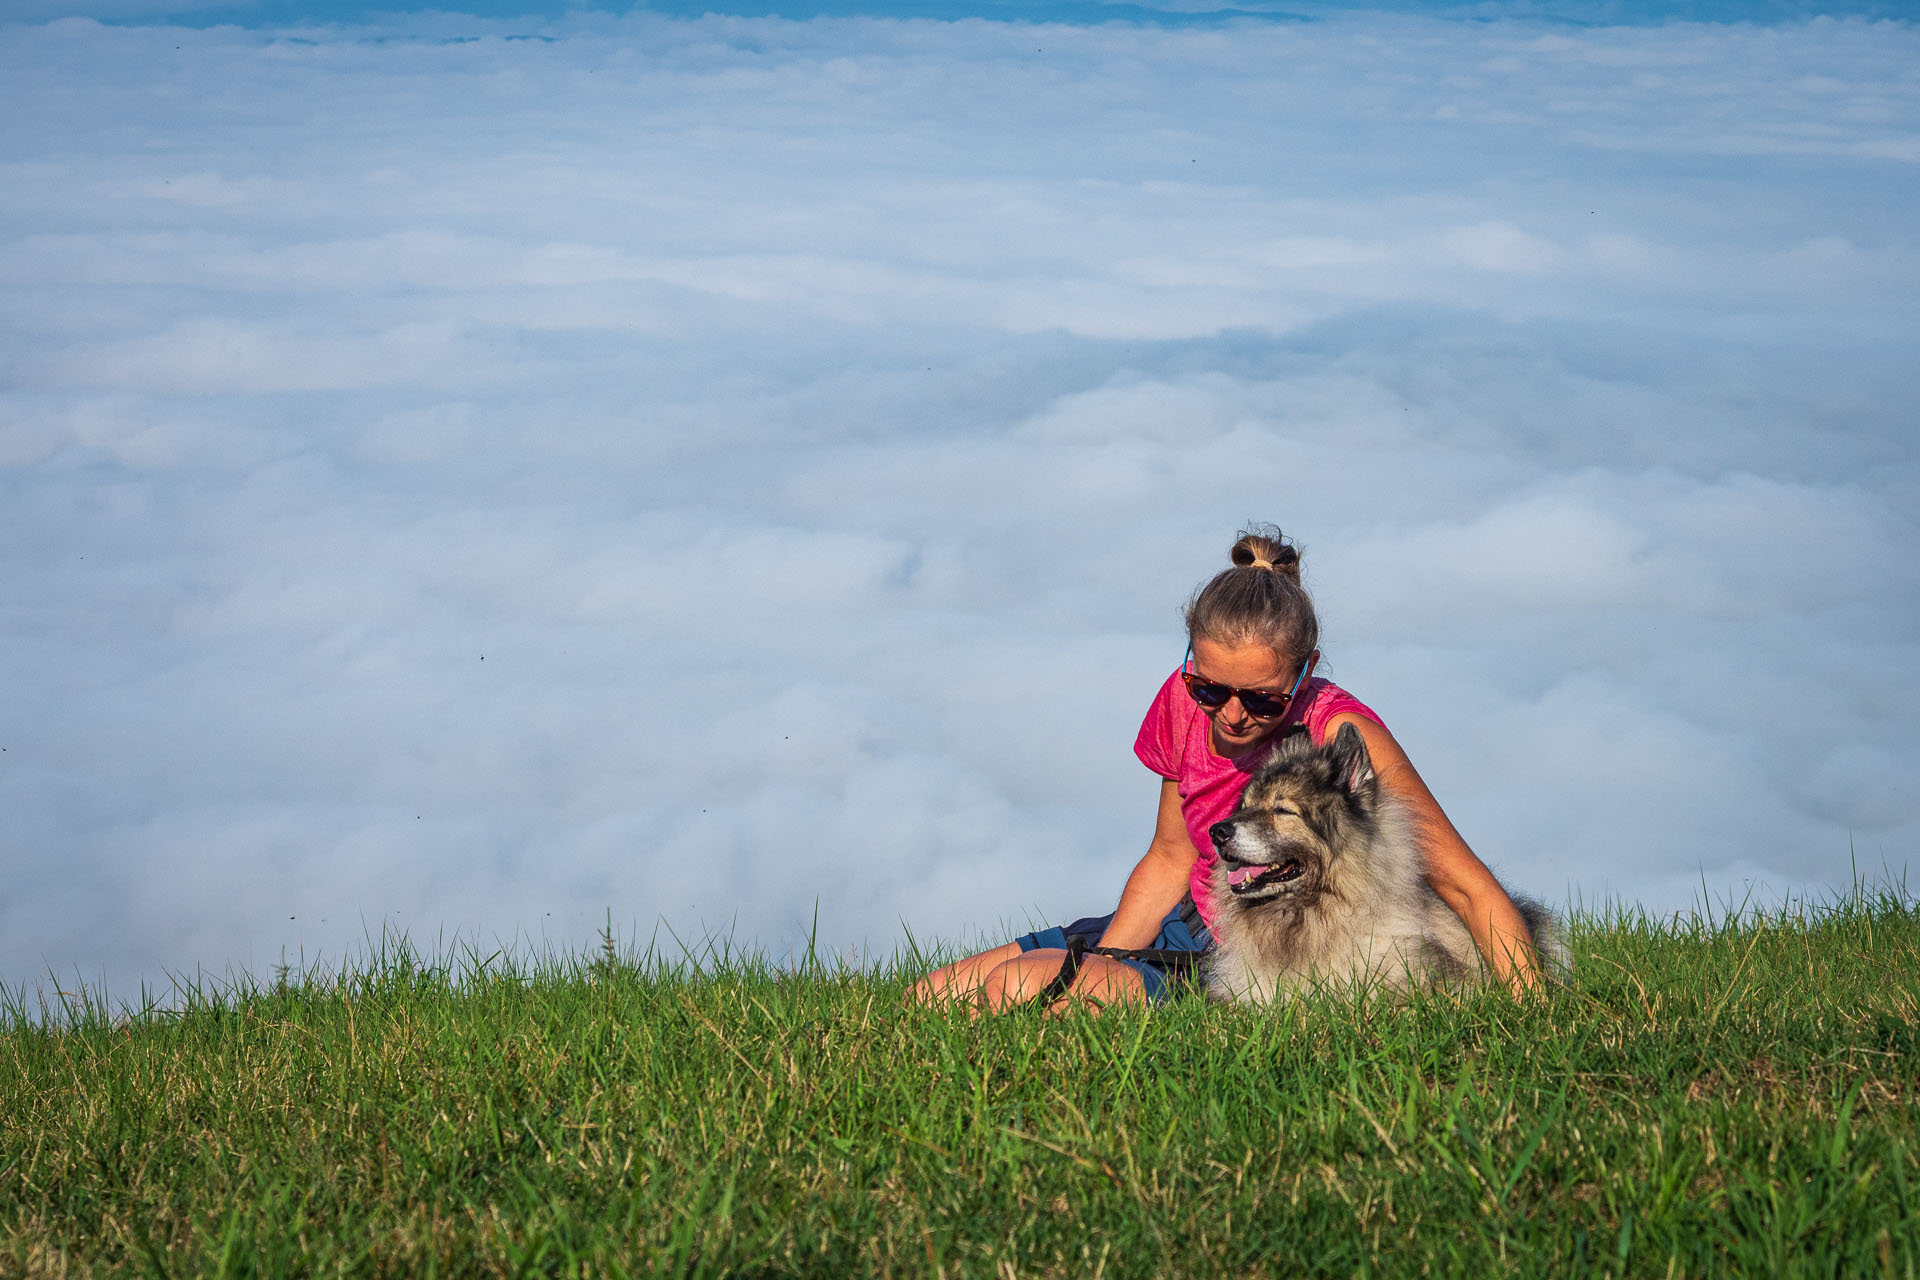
[{"x": 1005, "y": 975}]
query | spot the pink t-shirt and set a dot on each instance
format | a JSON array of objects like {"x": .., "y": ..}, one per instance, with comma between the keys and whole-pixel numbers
[{"x": 1176, "y": 742}]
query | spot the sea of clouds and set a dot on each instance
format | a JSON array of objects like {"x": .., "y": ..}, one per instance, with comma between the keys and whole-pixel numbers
[{"x": 740, "y": 477}]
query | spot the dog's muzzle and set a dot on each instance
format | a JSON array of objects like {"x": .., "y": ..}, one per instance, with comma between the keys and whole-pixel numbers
[{"x": 1245, "y": 877}]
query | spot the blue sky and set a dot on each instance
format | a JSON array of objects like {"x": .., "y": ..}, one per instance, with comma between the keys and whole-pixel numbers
[
  {"x": 730, "y": 472},
  {"x": 280, "y": 13}
]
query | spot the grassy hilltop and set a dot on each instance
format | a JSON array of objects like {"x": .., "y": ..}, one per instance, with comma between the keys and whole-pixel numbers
[{"x": 1704, "y": 1098}]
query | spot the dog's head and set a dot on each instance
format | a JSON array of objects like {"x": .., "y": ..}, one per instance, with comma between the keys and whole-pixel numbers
[{"x": 1295, "y": 813}]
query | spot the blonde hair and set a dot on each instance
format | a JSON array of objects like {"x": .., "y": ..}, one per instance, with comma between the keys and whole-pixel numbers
[{"x": 1259, "y": 600}]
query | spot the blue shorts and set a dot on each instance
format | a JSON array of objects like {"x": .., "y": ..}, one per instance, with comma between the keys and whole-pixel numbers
[{"x": 1181, "y": 934}]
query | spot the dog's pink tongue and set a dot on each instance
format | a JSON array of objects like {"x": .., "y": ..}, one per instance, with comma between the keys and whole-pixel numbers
[{"x": 1240, "y": 875}]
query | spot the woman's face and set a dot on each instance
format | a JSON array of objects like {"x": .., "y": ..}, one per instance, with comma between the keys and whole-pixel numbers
[{"x": 1252, "y": 666}]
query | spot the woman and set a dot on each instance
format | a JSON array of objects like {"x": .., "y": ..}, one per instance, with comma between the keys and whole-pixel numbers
[{"x": 1249, "y": 680}]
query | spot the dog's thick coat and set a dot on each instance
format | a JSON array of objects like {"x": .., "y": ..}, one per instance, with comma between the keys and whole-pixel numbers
[{"x": 1319, "y": 880}]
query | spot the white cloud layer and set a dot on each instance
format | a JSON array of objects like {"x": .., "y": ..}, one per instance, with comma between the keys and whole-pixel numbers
[{"x": 720, "y": 471}]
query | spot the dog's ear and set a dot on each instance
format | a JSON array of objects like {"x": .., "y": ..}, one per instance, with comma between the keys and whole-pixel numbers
[{"x": 1351, "y": 763}]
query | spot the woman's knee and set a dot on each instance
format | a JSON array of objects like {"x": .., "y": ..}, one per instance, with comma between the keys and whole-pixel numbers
[
  {"x": 1109, "y": 982},
  {"x": 961, "y": 978},
  {"x": 1020, "y": 978},
  {"x": 1099, "y": 983}
]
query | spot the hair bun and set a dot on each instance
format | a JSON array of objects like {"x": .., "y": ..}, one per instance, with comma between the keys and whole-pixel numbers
[
  {"x": 1268, "y": 608},
  {"x": 1265, "y": 547}
]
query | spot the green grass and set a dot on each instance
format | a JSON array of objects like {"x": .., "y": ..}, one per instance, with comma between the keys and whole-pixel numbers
[{"x": 1705, "y": 1097}]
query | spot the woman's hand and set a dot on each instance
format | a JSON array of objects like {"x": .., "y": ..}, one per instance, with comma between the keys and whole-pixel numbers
[{"x": 1456, "y": 874}]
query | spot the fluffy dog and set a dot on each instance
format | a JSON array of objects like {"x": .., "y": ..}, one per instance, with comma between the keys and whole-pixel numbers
[{"x": 1319, "y": 881}]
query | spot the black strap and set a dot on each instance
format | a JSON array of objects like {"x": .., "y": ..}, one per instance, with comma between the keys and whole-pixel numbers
[
  {"x": 1078, "y": 948},
  {"x": 1069, "y": 970},
  {"x": 1156, "y": 956}
]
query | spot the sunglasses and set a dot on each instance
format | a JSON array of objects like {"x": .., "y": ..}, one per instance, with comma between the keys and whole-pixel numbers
[{"x": 1260, "y": 703}]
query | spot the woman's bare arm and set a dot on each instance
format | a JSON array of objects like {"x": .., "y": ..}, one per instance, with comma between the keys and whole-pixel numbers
[
  {"x": 1158, "y": 881},
  {"x": 1456, "y": 874}
]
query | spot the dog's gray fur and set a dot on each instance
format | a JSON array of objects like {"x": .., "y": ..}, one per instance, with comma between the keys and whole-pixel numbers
[{"x": 1330, "y": 889}]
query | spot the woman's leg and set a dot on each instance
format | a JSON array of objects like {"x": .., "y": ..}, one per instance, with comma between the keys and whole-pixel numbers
[
  {"x": 1006, "y": 976},
  {"x": 1101, "y": 981},
  {"x": 962, "y": 978}
]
